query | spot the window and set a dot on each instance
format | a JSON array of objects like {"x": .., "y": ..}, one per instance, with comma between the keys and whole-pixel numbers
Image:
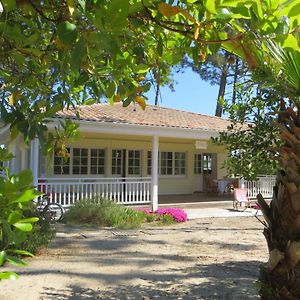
[
  {"x": 207, "y": 163},
  {"x": 97, "y": 161},
  {"x": 172, "y": 163},
  {"x": 197, "y": 163},
  {"x": 80, "y": 161},
  {"x": 117, "y": 162},
  {"x": 149, "y": 162},
  {"x": 134, "y": 162},
  {"x": 166, "y": 163},
  {"x": 179, "y": 168},
  {"x": 62, "y": 163}
]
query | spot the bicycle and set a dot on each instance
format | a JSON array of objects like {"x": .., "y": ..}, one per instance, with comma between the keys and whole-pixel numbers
[{"x": 50, "y": 211}]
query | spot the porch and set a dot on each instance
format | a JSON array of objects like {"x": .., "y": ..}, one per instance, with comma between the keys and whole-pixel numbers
[{"x": 137, "y": 191}]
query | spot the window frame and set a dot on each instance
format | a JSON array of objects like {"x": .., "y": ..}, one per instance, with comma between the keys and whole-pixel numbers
[
  {"x": 173, "y": 164},
  {"x": 121, "y": 163},
  {"x": 198, "y": 164},
  {"x": 88, "y": 165},
  {"x": 134, "y": 159},
  {"x": 97, "y": 157}
]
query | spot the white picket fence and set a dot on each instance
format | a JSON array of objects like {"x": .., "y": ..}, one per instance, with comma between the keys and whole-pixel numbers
[
  {"x": 121, "y": 190},
  {"x": 263, "y": 185}
]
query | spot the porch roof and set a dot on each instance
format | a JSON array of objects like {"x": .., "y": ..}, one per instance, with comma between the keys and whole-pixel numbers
[{"x": 153, "y": 116}]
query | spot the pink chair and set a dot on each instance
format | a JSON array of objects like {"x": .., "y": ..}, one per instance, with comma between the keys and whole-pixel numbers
[{"x": 241, "y": 202}]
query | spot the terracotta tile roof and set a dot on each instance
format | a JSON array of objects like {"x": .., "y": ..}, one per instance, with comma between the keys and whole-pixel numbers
[{"x": 151, "y": 116}]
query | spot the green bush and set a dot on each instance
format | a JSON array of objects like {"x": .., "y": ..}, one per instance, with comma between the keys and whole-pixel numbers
[
  {"x": 41, "y": 235},
  {"x": 103, "y": 212},
  {"x": 166, "y": 219}
]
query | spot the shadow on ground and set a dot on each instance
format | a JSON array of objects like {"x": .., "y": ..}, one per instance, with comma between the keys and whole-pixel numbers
[{"x": 228, "y": 280}]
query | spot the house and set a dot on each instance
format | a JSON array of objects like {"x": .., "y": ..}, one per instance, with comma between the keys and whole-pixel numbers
[{"x": 127, "y": 154}]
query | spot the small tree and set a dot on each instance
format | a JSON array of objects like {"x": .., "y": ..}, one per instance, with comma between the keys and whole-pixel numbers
[{"x": 16, "y": 194}]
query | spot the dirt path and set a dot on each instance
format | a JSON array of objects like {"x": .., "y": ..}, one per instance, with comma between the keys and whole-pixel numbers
[{"x": 215, "y": 258}]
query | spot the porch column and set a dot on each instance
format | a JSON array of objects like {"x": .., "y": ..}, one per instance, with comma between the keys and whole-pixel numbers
[
  {"x": 34, "y": 160},
  {"x": 242, "y": 183},
  {"x": 154, "y": 179}
]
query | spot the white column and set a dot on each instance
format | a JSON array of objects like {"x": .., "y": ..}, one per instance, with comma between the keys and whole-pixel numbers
[
  {"x": 242, "y": 183},
  {"x": 34, "y": 160},
  {"x": 154, "y": 179}
]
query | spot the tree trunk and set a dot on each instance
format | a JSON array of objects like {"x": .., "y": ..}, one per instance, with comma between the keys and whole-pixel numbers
[
  {"x": 222, "y": 87},
  {"x": 280, "y": 278}
]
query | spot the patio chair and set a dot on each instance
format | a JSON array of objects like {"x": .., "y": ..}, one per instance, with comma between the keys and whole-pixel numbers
[
  {"x": 210, "y": 185},
  {"x": 240, "y": 202}
]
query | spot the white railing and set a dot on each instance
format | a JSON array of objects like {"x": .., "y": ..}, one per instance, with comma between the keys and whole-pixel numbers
[
  {"x": 67, "y": 191},
  {"x": 263, "y": 185}
]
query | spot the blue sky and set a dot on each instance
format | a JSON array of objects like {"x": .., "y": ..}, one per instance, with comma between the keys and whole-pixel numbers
[{"x": 191, "y": 94}]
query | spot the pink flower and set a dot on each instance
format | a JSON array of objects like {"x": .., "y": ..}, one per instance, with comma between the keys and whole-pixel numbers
[{"x": 178, "y": 214}]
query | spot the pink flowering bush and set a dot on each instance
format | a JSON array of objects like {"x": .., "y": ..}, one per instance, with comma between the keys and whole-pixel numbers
[{"x": 177, "y": 214}]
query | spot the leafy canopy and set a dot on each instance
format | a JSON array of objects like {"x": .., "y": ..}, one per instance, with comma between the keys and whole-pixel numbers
[{"x": 61, "y": 53}]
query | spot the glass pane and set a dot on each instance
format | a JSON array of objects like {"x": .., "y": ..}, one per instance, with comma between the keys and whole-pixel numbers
[
  {"x": 57, "y": 160},
  {"x": 101, "y": 162},
  {"x": 101, "y": 152},
  {"x": 84, "y": 161},
  {"x": 84, "y": 170},
  {"x": 75, "y": 170},
  {"x": 66, "y": 170},
  {"x": 94, "y": 170},
  {"x": 101, "y": 170},
  {"x": 94, "y": 152},
  {"x": 76, "y": 161},
  {"x": 76, "y": 152},
  {"x": 57, "y": 170},
  {"x": 94, "y": 161},
  {"x": 84, "y": 152}
]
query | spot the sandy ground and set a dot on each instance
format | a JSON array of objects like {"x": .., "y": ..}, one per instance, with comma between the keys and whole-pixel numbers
[{"x": 213, "y": 258}]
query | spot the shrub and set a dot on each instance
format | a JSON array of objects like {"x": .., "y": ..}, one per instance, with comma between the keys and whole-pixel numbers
[
  {"x": 177, "y": 214},
  {"x": 41, "y": 235},
  {"x": 103, "y": 212}
]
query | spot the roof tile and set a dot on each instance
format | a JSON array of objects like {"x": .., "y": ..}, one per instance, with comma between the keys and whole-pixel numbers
[{"x": 151, "y": 116}]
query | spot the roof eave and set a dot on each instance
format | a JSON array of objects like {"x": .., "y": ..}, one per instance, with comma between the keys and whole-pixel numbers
[{"x": 142, "y": 130}]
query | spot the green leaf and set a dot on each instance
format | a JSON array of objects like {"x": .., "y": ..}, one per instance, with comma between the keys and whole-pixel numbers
[
  {"x": 89, "y": 101},
  {"x": 67, "y": 32},
  {"x": 2, "y": 257},
  {"x": 117, "y": 13},
  {"x": 126, "y": 102},
  {"x": 210, "y": 5},
  {"x": 9, "y": 5},
  {"x": 26, "y": 196},
  {"x": 9, "y": 275},
  {"x": 291, "y": 42},
  {"x": 78, "y": 54},
  {"x": 160, "y": 47},
  {"x": 15, "y": 261},
  {"x": 295, "y": 11},
  {"x": 23, "y": 179},
  {"x": 25, "y": 227},
  {"x": 82, "y": 4},
  {"x": 140, "y": 69},
  {"x": 29, "y": 220},
  {"x": 22, "y": 252},
  {"x": 14, "y": 217}
]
